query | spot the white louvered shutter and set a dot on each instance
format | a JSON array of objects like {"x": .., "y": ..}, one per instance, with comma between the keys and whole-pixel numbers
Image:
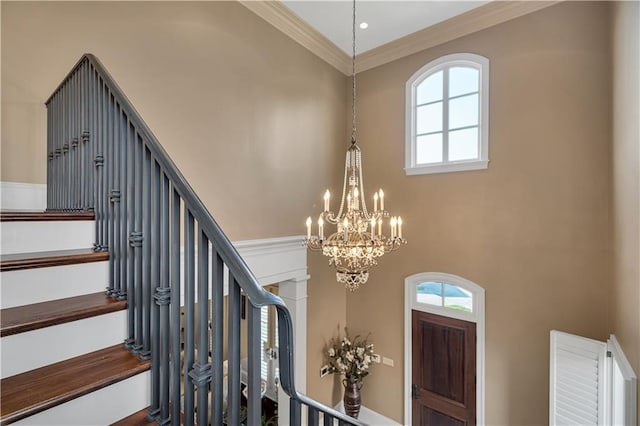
[{"x": 577, "y": 380}]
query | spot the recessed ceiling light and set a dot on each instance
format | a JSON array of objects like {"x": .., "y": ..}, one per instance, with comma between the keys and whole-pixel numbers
[{"x": 364, "y": 25}]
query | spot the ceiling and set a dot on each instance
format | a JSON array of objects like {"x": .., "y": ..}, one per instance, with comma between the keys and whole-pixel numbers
[{"x": 388, "y": 20}]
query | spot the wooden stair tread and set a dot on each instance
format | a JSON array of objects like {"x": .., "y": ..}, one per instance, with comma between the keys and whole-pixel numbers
[
  {"x": 45, "y": 314},
  {"x": 43, "y": 259},
  {"x": 31, "y": 216},
  {"x": 34, "y": 391}
]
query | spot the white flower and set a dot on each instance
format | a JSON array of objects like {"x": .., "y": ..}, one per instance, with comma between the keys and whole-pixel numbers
[
  {"x": 349, "y": 356},
  {"x": 360, "y": 351},
  {"x": 332, "y": 352},
  {"x": 367, "y": 359}
]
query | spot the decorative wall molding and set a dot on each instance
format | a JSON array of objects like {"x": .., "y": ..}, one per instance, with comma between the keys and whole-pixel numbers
[
  {"x": 23, "y": 196},
  {"x": 477, "y": 19},
  {"x": 494, "y": 13},
  {"x": 285, "y": 20}
]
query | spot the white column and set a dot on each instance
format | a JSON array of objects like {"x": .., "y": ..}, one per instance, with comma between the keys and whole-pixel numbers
[{"x": 294, "y": 295}]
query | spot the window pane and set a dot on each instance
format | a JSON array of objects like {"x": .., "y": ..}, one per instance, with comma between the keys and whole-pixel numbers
[
  {"x": 430, "y": 89},
  {"x": 430, "y": 292},
  {"x": 457, "y": 298},
  {"x": 463, "y": 111},
  {"x": 429, "y": 149},
  {"x": 463, "y": 144},
  {"x": 429, "y": 118},
  {"x": 463, "y": 80}
]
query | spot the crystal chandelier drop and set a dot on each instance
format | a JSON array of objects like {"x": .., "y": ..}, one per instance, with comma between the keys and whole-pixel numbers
[{"x": 359, "y": 239}]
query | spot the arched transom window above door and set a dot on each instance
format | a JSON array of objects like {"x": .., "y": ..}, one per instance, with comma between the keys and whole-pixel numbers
[{"x": 447, "y": 115}]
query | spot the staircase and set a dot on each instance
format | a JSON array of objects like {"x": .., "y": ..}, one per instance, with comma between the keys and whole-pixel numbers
[
  {"x": 63, "y": 359},
  {"x": 123, "y": 301}
]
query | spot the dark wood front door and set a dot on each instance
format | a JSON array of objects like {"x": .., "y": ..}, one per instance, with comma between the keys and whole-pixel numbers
[{"x": 443, "y": 371}]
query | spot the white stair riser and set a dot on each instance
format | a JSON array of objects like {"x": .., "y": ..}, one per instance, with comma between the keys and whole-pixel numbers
[
  {"x": 28, "y": 286},
  {"x": 23, "y": 237},
  {"x": 102, "y": 407},
  {"x": 33, "y": 349}
]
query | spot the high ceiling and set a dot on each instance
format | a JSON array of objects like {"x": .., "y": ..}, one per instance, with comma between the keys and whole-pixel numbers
[{"x": 388, "y": 20}]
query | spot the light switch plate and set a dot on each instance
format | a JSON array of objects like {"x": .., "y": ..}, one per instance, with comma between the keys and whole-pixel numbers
[
  {"x": 324, "y": 370},
  {"x": 387, "y": 361}
]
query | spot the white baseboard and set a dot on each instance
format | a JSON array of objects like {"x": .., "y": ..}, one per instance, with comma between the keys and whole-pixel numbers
[
  {"x": 23, "y": 196},
  {"x": 370, "y": 417}
]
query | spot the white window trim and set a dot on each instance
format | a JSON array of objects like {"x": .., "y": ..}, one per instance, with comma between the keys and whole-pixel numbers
[
  {"x": 467, "y": 59},
  {"x": 477, "y": 316}
]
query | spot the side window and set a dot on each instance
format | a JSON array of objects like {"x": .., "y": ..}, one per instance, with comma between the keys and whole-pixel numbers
[
  {"x": 444, "y": 295},
  {"x": 447, "y": 115}
]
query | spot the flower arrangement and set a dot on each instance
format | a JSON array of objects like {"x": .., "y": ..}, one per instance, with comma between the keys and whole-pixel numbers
[{"x": 350, "y": 357}]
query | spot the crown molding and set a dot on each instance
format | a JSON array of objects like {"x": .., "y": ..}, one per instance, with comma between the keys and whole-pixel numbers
[
  {"x": 485, "y": 16},
  {"x": 494, "y": 13},
  {"x": 281, "y": 17}
]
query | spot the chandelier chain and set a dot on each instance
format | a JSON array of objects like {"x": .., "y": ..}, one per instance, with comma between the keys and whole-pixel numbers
[{"x": 353, "y": 73}]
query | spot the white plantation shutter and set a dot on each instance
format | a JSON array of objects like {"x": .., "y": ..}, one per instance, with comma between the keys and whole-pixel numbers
[{"x": 577, "y": 380}]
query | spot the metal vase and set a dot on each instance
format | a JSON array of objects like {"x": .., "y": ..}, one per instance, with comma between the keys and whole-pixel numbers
[{"x": 352, "y": 400}]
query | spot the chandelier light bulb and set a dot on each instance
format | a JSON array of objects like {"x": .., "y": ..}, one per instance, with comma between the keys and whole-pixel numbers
[
  {"x": 381, "y": 199},
  {"x": 309, "y": 228},
  {"x": 327, "y": 196}
]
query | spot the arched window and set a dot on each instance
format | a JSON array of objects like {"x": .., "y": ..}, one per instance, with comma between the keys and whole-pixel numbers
[{"x": 447, "y": 115}]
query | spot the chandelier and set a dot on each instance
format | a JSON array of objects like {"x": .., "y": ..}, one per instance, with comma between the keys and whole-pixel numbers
[{"x": 359, "y": 239}]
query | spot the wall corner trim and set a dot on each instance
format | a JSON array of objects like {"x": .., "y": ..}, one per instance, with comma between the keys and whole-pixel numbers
[{"x": 493, "y": 13}]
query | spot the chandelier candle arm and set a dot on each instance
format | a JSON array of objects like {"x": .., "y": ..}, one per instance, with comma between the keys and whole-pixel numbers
[{"x": 355, "y": 246}]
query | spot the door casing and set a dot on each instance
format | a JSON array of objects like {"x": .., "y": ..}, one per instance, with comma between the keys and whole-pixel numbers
[{"x": 477, "y": 316}]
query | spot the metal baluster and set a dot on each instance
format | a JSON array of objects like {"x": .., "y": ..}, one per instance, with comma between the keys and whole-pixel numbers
[
  {"x": 328, "y": 420},
  {"x": 254, "y": 406},
  {"x": 114, "y": 195},
  {"x": 92, "y": 140},
  {"x": 58, "y": 152},
  {"x": 65, "y": 148},
  {"x": 97, "y": 157},
  {"x": 189, "y": 324},
  {"x": 75, "y": 141},
  {"x": 146, "y": 257},
  {"x": 175, "y": 307},
  {"x": 217, "y": 301},
  {"x": 137, "y": 238},
  {"x": 82, "y": 127},
  {"x": 129, "y": 248},
  {"x": 163, "y": 298},
  {"x": 155, "y": 284},
  {"x": 233, "y": 398},
  {"x": 124, "y": 205},
  {"x": 201, "y": 372},
  {"x": 104, "y": 125},
  {"x": 49, "y": 155},
  {"x": 114, "y": 235},
  {"x": 295, "y": 416},
  {"x": 312, "y": 417},
  {"x": 102, "y": 154}
]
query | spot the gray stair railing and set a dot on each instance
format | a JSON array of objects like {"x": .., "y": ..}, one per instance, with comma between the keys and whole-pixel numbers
[{"x": 167, "y": 255}]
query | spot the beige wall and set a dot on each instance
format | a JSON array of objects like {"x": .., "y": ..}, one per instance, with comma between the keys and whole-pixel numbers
[
  {"x": 625, "y": 312},
  {"x": 253, "y": 120},
  {"x": 532, "y": 229}
]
